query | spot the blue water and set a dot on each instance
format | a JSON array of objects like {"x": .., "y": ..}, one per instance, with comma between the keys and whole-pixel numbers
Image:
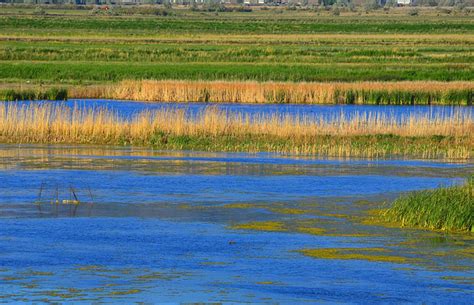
[
  {"x": 327, "y": 112},
  {"x": 157, "y": 230}
]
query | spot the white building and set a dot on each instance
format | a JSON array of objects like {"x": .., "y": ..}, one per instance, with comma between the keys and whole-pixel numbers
[{"x": 403, "y": 2}]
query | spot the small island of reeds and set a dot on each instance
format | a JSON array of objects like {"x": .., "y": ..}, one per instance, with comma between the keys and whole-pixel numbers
[{"x": 447, "y": 208}]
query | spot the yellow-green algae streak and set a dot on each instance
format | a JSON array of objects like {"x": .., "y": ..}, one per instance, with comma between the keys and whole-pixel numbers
[
  {"x": 365, "y": 217},
  {"x": 294, "y": 226},
  {"x": 272, "y": 226},
  {"x": 368, "y": 254}
]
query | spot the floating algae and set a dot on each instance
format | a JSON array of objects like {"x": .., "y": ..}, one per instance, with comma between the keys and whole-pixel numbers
[
  {"x": 125, "y": 292},
  {"x": 460, "y": 279},
  {"x": 37, "y": 273},
  {"x": 288, "y": 211},
  {"x": 272, "y": 226},
  {"x": 367, "y": 254},
  {"x": 269, "y": 283},
  {"x": 313, "y": 231},
  {"x": 239, "y": 206}
]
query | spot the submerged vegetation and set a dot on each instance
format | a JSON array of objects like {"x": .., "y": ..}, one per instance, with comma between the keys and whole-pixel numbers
[
  {"x": 368, "y": 254},
  {"x": 214, "y": 130},
  {"x": 447, "y": 208}
]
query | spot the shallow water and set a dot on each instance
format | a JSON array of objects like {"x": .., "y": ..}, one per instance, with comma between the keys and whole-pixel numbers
[
  {"x": 163, "y": 226},
  {"x": 127, "y": 109}
]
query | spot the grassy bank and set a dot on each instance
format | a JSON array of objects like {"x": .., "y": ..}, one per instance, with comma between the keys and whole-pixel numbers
[
  {"x": 212, "y": 130},
  {"x": 20, "y": 94},
  {"x": 446, "y": 208}
]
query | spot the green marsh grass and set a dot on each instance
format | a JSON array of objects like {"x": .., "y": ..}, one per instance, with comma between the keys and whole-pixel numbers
[
  {"x": 446, "y": 208},
  {"x": 103, "y": 71},
  {"x": 33, "y": 94}
]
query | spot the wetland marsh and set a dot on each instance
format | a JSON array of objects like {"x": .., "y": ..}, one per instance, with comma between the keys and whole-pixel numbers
[{"x": 162, "y": 155}]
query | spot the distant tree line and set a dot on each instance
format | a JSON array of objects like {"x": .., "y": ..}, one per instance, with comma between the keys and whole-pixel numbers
[{"x": 220, "y": 4}]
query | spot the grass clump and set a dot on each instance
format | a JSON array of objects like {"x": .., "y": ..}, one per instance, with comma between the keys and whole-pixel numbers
[
  {"x": 446, "y": 208},
  {"x": 53, "y": 94}
]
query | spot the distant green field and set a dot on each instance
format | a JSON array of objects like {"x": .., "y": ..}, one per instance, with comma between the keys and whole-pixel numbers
[
  {"x": 74, "y": 47},
  {"x": 76, "y": 72},
  {"x": 235, "y": 23}
]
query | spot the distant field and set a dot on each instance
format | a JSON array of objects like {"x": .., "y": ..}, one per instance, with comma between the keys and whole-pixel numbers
[
  {"x": 72, "y": 47},
  {"x": 291, "y": 46}
]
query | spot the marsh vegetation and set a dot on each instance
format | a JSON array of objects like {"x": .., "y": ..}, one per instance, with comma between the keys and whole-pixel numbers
[
  {"x": 169, "y": 222},
  {"x": 449, "y": 208},
  {"x": 216, "y": 130},
  {"x": 375, "y": 93}
]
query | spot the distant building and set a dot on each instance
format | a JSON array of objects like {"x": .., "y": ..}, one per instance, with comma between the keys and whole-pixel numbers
[
  {"x": 403, "y": 2},
  {"x": 254, "y": 2}
]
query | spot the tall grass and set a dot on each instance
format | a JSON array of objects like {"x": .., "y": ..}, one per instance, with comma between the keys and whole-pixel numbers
[
  {"x": 446, "y": 208},
  {"x": 33, "y": 94},
  {"x": 109, "y": 71},
  {"x": 370, "y": 136},
  {"x": 380, "y": 93}
]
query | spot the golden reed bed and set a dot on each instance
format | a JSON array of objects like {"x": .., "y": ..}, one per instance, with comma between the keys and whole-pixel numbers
[
  {"x": 418, "y": 92},
  {"x": 451, "y": 137}
]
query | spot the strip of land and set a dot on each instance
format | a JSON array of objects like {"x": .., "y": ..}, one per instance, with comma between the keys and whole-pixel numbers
[{"x": 213, "y": 130}]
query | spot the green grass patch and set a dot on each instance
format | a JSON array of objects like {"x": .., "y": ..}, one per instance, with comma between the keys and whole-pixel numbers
[
  {"x": 232, "y": 23},
  {"x": 262, "y": 46},
  {"x": 33, "y": 94},
  {"x": 100, "y": 72},
  {"x": 446, "y": 208}
]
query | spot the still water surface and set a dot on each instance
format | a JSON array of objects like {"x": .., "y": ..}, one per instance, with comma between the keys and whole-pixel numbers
[
  {"x": 160, "y": 227},
  {"x": 128, "y": 109}
]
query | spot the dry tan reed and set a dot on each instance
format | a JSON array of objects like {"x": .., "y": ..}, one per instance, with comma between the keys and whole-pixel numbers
[
  {"x": 277, "y": 92},
  {"x": 49, "y": 123}
]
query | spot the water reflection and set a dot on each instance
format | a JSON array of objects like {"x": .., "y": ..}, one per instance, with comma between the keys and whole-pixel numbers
[{"x": 127, "y": 109}]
